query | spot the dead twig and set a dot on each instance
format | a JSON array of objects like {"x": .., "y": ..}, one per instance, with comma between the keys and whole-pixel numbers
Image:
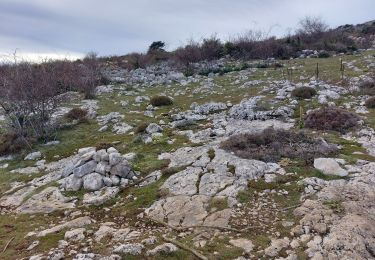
[
  {"x": 185, "y": 247},
  {"x": 6, "y": 246}
]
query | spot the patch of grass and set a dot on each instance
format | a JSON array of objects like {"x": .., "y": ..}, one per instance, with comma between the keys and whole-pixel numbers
[
  {"x": 218, "y": 204},
  {"x": 141, "y": 128},
  {"x": 223, "y": 249},
  {"x": 211, "y": 154},
  {"x": 370, "y": 103},
  {"x": 335, "y": 205}
]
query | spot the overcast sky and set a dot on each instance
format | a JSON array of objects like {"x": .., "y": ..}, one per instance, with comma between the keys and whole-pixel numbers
[{"x": 75, "y": 27}]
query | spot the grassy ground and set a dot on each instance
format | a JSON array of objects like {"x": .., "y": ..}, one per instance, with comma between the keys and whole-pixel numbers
[{"x": 86, "y": 134}]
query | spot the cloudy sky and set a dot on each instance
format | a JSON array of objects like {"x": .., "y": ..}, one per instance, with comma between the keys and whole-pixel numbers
[{"x": 75, "y": 27}]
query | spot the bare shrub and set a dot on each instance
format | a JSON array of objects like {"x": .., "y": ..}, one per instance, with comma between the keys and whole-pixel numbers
[
  {"x": 271, "y": 145},
  {"x": 141, "y": 128},
  {"x": 76, "y": 114},
  {"x": 211, "y": 48},
  {"x": 368, "y": 87},
  {"x": 370, "y": 102},
  {"x": 304, "y": 92},
  {"x": 312, "y": 25},
  {"x": 11, "y": 143},
  {"x": 331, "y": 118},
  {"x": 158, "y": 101}
]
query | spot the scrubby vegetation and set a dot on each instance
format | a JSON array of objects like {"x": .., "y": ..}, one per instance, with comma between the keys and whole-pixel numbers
[
  {"x": 272, "y": 145},
  {"x": 158, "y": 101},
  {"x": 370, "y": 102},
  {"x": 368, "y": 87},
  {"x": 304, "y": 92},
  {"x": 76, "y": 114},
  {"x": 141, "y": 128},
  {"x": 11, "y": 143},
  {"x": 331, "y": 118},
  {"x": 30, "y": 93}
]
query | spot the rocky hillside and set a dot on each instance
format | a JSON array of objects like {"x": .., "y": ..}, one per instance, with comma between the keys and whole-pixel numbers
[{"x": 272, "y": 160}]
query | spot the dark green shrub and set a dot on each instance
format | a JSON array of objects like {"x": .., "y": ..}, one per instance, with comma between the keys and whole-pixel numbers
[
  {"x": 304, "y": 92},
  {"x": 158, "y": 101},
  {"x": 331, "y": 118},
  {"x": 370, "y": 103},
  {"x": 324, "y": 54}
]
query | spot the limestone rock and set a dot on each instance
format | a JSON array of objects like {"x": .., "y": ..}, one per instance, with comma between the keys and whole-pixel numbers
[
  {"x": 33, "y": 156},
  {"x": 165, "y": 248},
  {"x": 47, "y": 201},
  {"x": 329, "y": 166},
  {"x": 132, "y": 249},
  {"x": 72, "y": 183},
  {"x": 93, "y": 181},
  {"x": 75, "y": 234},
  {"x": 84, "y": 169},
  {"x": 243, "y": 243},
  {"x": 184, "y": 182},
  {"x": 75, "y": 223}
]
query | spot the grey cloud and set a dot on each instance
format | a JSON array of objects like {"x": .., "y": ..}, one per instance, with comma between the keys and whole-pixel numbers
[{"x": 117, "y": 27}]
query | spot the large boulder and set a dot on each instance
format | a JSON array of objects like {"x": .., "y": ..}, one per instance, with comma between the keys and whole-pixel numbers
[
  {"x": 153, "y": 128},
  {"x": 72, "y": 183},
  {"x": 85, "y": 169},
  {"x": 93, "y": 181},
  {"x": 122, "y": 170},
  {"x": 329, "y": 166},
  {"x": 33, "y": 156}
]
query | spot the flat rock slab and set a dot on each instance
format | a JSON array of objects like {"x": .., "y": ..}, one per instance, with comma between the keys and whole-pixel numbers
[
  {"x": 180, "y": 210},
  {"x": 75, "y": 223},
  {"x": 100, "y": 197},
  {"x": 188, "y": 211},
  {"x": 329, "y": 166},
  {"x": 16, "y": 199},
  {"x": 184, "y": 182},
  {"x": 47, "y": 201}
]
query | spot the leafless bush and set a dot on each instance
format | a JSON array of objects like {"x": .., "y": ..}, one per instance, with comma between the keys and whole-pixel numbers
[
  {"x": 311, "y": 25},
  {"x": 370, "y": 102},
  {"x": 331, "y": 118},
  {"x": 304, "y": 92},
  {"x": 158, "y": 101},
  {"x": 271, "y": 145},
  {"x": 28, "y": 95}
]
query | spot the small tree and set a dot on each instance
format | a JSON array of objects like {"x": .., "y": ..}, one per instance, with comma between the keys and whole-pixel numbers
[
  {"x": 312, "y": 25},
  {"x": 157, "y": 46}
]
